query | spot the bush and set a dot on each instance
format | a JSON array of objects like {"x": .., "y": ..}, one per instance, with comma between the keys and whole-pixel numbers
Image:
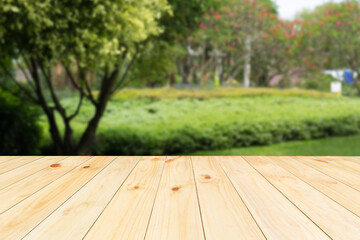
[
  {"x": 219, "y": 92},
  {"x": 20, "y": 132},
  {"x": 188, "y": 125},
  {"x": 157, "y": 126},
  {"x": 185, "y": 141},
  {"x": 319, "y": 82}
]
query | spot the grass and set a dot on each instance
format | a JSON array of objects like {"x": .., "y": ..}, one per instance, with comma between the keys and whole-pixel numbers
[
  {"x": 335, "y": 146},
  {"x": 207, "y": 93},
  {"x": 155, "y": 123}
]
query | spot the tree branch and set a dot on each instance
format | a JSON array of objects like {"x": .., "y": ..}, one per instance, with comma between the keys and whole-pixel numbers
[
  {"x": 89, "y": 95},
  {"x": 127, "y": 69},
  {"x": 77, "y": 108},
  {"x": 57, "y": 103},
  {"x": 22, "y": 88}
]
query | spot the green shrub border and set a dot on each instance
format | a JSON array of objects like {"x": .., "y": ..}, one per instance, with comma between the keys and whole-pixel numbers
[{"x": 188, "y": 139}]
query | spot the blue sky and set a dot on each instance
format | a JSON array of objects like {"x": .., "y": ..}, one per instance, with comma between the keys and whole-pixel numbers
[{"x": 288, "y": 8}]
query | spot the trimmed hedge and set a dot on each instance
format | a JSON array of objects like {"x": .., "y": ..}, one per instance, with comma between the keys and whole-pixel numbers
[
  {"x": 20, "y": 134},
  {"x": 187, "y": 140},
  {"x": 220, "y": 92},
  {"x": 182, "y": 126}
]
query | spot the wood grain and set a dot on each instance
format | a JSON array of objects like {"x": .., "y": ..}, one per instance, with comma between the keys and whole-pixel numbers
[
  {"x": 24, "y": 171},
  {"x": 332, "y": 218},
  {"x": 339, "y": 192},
  {"x": 154, "y": 198},
  {"x": 24, "y": 188},
  {"x": 277, "y": 217},
  {"x": 341, "y": 163},
  {"x": 224, "y": 214},
  {"x": 176, "y": 213},
  {"x": 6, "y": 158},
  {"x": 16, "y": 222},
  {"x": 17, "y": 162},
  {"x": 128, "y": 213},
  {"x": 86, "y": 205},
  {"x": 349, "y": 178}
]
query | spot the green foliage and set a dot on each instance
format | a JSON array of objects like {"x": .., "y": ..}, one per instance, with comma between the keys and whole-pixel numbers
[
  {"x": 320, "y": 82},
  {"x": 20, "y": 131},
  {"x": 184, "y": 18},
  {"x": 95, "y": 33},
  {"x": 335, "y": 146},
  {"x": 329, "y": 32},
  {"x": 154, "y": 66},
  {"x": 177, "y": 126},
  {"x": 93, "y": 40},
  {"x": 220, "y": 92}
]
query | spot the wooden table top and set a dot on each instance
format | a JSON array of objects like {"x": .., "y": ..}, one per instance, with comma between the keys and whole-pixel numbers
[{"x": 179, "y": 198}]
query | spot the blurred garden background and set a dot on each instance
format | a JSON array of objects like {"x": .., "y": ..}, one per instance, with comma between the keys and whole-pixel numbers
[{"x": 178, "y": 77}]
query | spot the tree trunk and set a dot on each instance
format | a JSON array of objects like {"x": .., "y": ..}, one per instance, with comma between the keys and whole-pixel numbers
[
  {"x": 54, "y": 131},
  {"x": 247, "y": 66},
  {"x": 88, "y": 138}
]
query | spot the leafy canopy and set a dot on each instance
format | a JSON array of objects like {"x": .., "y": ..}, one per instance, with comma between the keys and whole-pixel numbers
[{"x": 94, "y": 32}]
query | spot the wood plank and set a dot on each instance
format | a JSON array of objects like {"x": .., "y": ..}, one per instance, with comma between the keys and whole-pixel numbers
[
  {"x": 6, "y": 158},
  {"x": 276, "y": 216},
  {"x": 341, "y": 163},
  {"x": 86, "y": 205},
  {"x": 24, "y": 171},
  {"x": 176, "y": 213},
  {"x": 16, "y": 222},
  {"x": 128, "y": 213},
  {"x": 24, "y": 188},
  {"x": 332, "y": 218},
  {"x": 339, "y": 192},
  {"x": 17, "y": 162},
  {"x": 224, "y": 214},
  {"x": 349, "y": 178},
  {"x": 352, "y": 159}
]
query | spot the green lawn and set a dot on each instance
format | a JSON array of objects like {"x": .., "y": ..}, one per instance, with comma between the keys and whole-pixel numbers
[
  {"x": 336, "y": 146},
  {"x": 197, "y": 120}
]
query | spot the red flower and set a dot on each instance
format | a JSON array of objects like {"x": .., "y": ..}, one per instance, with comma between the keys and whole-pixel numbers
[
  {"x": 236, "y": 27},
  {"x": 338, "y": 23},
  {"x": 203, "y": 26},
  {"x": 229, "y": 46}
]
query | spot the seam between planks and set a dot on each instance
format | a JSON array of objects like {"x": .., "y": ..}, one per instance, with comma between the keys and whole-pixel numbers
[
  {"x": 36, "y": 159},
  {"x": 197, "y": 197},
  {"x": 305, "y": 163},
  {"x": 340, "y": 167},
  {"x": 232, "y": 184},
  {"x": 7, "y": 160},
  {"x": 112, "y": 197},
  {"x": 156, "y": 194},
  {"x": 313, "y": 186},
  {"x": 288, "y": 198},
  {"x": 69, "y": 197},
  {"x": 46, "y": 185},
  {"x": 33, "y": 173}
]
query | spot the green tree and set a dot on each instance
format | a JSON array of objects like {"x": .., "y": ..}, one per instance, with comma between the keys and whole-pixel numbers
[
  {"x": 166, "y": 52},
  {"x": 227, "y": 40},
  {"x": 100, "y": 36},
  {"x": 331, "y": 33}
]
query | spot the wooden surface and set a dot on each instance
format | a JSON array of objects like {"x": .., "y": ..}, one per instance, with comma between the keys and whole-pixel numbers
[{"x": 179, "y": 198}]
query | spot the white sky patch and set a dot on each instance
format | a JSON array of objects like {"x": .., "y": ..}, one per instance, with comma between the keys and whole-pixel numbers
[{"x": 289, "y": 8}]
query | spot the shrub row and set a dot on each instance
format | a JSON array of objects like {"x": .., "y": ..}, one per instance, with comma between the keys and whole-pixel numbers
[
  {"x": 181, "y": 126},
  {"x": 220, "y": 92},
  {"x": 187, "y": 140}
]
